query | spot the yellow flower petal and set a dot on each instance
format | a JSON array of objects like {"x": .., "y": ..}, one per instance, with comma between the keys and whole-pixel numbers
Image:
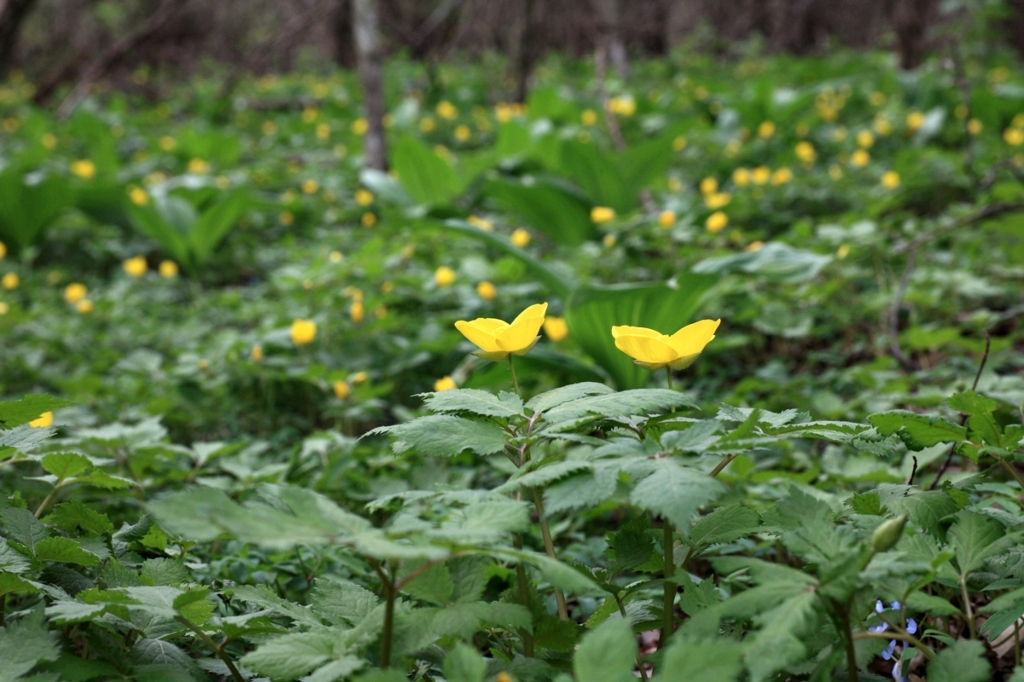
[
  {"x": 652, "y": 352},
  {"x": 691, "y": 339},
  {"x": 520, "y": 336},
  {"x": 481, "y": 332},
  {"x": 633, "y": 331}
]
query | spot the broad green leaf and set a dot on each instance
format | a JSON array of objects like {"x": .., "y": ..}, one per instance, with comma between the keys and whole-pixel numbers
[
  {"x": 214, "y": 224},
  {"x": 558, "y": 574},
  {"x": 962, "y": 662},
  {"x": 707, "y": 661},
  {"x": 31, "y": 407},
  {"x": 65, "y": 464},
  {"x": 630, "y": 546},
  {"x": 475, "y": 401},
  {"x": 675, "y": 492},
  {"x": 781, "y": 641},
  {"x": 165, "y": 571},
  {"x": 918, "y": 431},
  {"x": 22, "y": 526},
  {"x": 445, "y": 436},
  {"x": 464, "y": 664},
  {"x": 927, "y": 603},
  {"x": 547, "y": 207},
  {"x": 724, "y": 524},
  {"x": 564, "y": 394},
  {"x": 263, "y": 596},
  {"x": 608, "y": 653},
  {"x": 545, "y": 475},
  {"x": 12, "y": 584},
  {"x": 465, "y": 619},
  {"x": 64, "y": 550},
  {"x": 31, "y": 203},
  {"x": 1002, "y": 620},
  {"x": 12, "y": 560},
  {"x": 339, "y": 669},
  {"x": 774, "y": 260},
  {"x": 24, "y": 644},
  {"x": 592, "y": 311},
  {"x": 974, "y": 538},
  {"x": 427, "y": 177},
  {"x": 336, "y": 601},
  {"x": 293, "y": 655},
  {"x": 972, "y": 403},
  {"x": 631, "y": 403},
  {"x": 433, "y": 584},
  {"x": 75, "y": 514}
]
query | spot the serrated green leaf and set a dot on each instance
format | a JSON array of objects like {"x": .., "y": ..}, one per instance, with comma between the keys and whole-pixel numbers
[
  {"x": 338, "y": 601},
  {"x": 724, "y": 524},
  {"x": 918, "y": 431},
  {"x": 65, "y": 464},
  {"x": 866, "y": 503},
  {"x": 607, "y": 653},
  {"x": 920, "y": 602},
  {"x": 635, "y": 402},
  {"x": 674, "y": 491},
  {"x": 64, "y": 550},
  {"x": 706, "y": 661},
  {"x": 11, "y": 560},
  {"x": 31, "y": 407},
  {"x": 564, "y": 394},
  {"x": 12, "y": 584},
  {"x": 293, "y": 655},
  {"x": 544, "y": 476},
  {"x": 631, "y": 546},
  {"x": 558, "y": 574},
  {"x": 445, "y": 436},
  {"x": 962, "y": 662},
  {"x": 75, "y": 514},
  {"x": 338, "y": 669},
  {"x": 475, "y": 401},
  {"x": 22, "y": 526},
  {"x": 781, "y": 640},
  {"x": 263, "y": 596},
  {"x": 24, "y": 644},
  {"x": 972, "y": 403},
  {"x": 433, "y": 584},
  {"x": 974, "y": 538},
  {"x": 464, "y": 664}
]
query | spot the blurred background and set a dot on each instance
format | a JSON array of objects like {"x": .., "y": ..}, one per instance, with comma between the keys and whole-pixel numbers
[{"x": 54, "y": 42}]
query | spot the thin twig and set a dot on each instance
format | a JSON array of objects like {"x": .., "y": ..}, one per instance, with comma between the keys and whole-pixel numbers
[
  {"x": 963, "y": 419},
  {"x": 221, "y": 654},
  {"x": 989, "y": 211},
  {"x": 894, "y": 315}
]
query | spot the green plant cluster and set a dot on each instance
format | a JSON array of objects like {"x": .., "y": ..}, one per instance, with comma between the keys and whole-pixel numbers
[{"x": 271, "y": 455}]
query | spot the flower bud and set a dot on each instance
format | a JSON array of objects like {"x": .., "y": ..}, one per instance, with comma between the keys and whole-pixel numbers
[{"x": 888, "y": 534}]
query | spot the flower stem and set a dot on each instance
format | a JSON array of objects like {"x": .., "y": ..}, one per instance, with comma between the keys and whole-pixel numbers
[
  {"x": 549, "y": 548},
  {"x": 668, "y": 375},
  {"x": 639, "y": 656},
  {"x": 524, "y": 596},
  {"x": 515, "y": 380},
  {"x": 901, "y": 636},
  {"x": 851, "y": 652},
  {"x": 668, "y": 618}
]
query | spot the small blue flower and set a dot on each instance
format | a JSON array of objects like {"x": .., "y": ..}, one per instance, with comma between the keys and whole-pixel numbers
[{"x": 911, "y": 627}]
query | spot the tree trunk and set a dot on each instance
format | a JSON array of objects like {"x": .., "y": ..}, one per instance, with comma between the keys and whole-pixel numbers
[
  {"x": 610, "y": 39},
  {"x": 910, "y": 19},
  {"x": 370, "y": 59},
  {"x": 12, "y": 14},
  {"x": 525, "y": 53}
]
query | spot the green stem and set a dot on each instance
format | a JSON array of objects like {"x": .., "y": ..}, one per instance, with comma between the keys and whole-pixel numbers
[
  {"x": 524, "y": 596},
  {"x": 515, "y": 380},
  {"x": 901, "y": 636},
  {"x": 389, "y": 612},
  {"x": 639, "y": 657},
  {"x": 668, "y": 619},
  {"x": 968, "y": 611},
  {"x": 221, "y": 654},
  {"x": 721, "y": 465},
  {"x": 549, "y": 548},
  {"x": 668, "y": 375},
  {"x": 49, "y": 498},
  {"x": 851, "y": 652}
]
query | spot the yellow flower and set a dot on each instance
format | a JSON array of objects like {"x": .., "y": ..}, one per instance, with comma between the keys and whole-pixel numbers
[
  {"x": 609, "y": 240},
  {"x": 915, "y": 120},
  {"x": 364, "y": 197},
  {"x": 360, "y": 126},
  {"x": 341, "y": 389},
  {"x": 310, "y": 186},
  {"x": 462, "y": 132},
  {"x": 50, "y": 141},
  {"x": 168, "y": 269},
  {"x": 781, "y": 176},
  {"x": 974, "y": 126},
  {"x": 890, "y": 179},
  {"x": 760, "y": 175},
  {"x": 139, "y": 196},
  {"x": 286, "y": 218},
  {"x": 3, "y": 249},
  {"x": 865, "y": 139},
  {"x": 75, "y": 292},
  {"x": 369, "y": 219},
  {"x": 357, "y": 311},
  {"x": 1014, "y": 136},
  {"x": 882, "y": 126},
  {"x": 44, "y": 420},
  {"x": 754, "y": 246},
  {"x": 602, "y": 214},
  {"x": 961, "y": 111},
  {"x": 427, "y": 124},
  {"x": 708, "y": 186},
  {"x": 520, "y": 237},
  {"x": 84, "y": 306},
  {"x": 652, "y": 350},
  {"x": 666, "y": 219},
  {"x": 805, "y": 152},
  {"x": 10, "y": 281},
  {"x": 741, "y": 177},
  {"x": 335, "y": 257},
  {"x": 839, "y": 134},
  {"x": 842, "y": 252},
  {"x": 303, "y": 332},
  {"x": 323, "y": 131},
  {"x": 446, "y": 110},
  {"x": 360, "y": 377},
  {"x": 716, "y": 222},
  {"x": 309, "y": 114},
  {"x": 497, "y": 338},
  {"x": 588, "y": 117},
  {"x": 835, "y": 171},
  {"x": 859, "y": 158},
  {"x": 717, "y": 200},
  {"x": 480, "y": 223},
  {"x": 445, "y": 384},
  {"x": 487, "y": 291},
  {"x": 766, "y": 129},
  {"x": 444, "y": 276},
  {"x": 679, "y": 144},
  {"x": 198, "y": 167},
  {"x": 168, "y": 143},
  {"x": 269, "y": 127},
  {"x": 555, "y": 328},
  {"x": 256, "y": 353},
  {"x": 877, "y": 99},
  {"x": 623, "y": 106},
  {"x": 83, "y": 168},
  {"x": 4, "y": 308}
]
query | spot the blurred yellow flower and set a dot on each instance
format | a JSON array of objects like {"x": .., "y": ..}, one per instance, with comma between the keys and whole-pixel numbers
[
  {"x": 387, "y": 287},
  {"x": 667, "y": 219},
  {"x": 444, "y": 384},
  {"x": 588, "y": 117},
  {"x": 269, "y": 127},
  {"x": 555, "y": 328},
  {"x": 653, "y": 350},
  {"x": 842, "y": 252},
  {"x": 368, "y": 219},
  {"x": 198, "y": 167},
  {"x": 623, "y": 106},
  {"x": 839, "y": 134},
  {"x": 486, "y": 291},
  {"x": 359, "y": 377},
  {"x": 716, "y": 222},
  {"x": 781, "y": 176},
  {"x": 741, "y": 177},
  {"x": 609, "y": 240},
  {"x": 805, "y": 152},
  {"x": 446, "y": 110},
  {"x": 75, "y": 292},
  {"x": 859, "y": 158},
  {"x": 83, "y": 168},
  {"x": 4, "y": 308},
  {"x": 168, "y": 269},
  {"x": 335, "y": 257},
  {"x": 168, "y": 143},
  {"x": 341, "y": 389},
  {"x": 882, "y": 126},
  {"x": 10, "y": 281},
  {"x": 602, "y": 214},
  {"x": 356, "y": 311},
  {"x": 760, "y": 175},
  {"x": 463, "y": 133},
  {"x": 766, "y": 129},
  {"x": 286, "y": 218},
  {"x": 138, "y": 196},
  {"x": 877, "y": 99},
  {"x": 835, "y": 171},
  {"x": 136, "y": 267},
  {"x": 364, "y": 197},
  {"x": 84, "y": 306},
  {"x": 303, "y": 332},
  {"x": 497, "y": 338},
  {"x": 717, "y": 200},
  {"x": 865, "y": 139},
  {"x": 3, "y": 249},
  {"x": 756, "y": 245},
  {"x": 1013, "y": 136},
  {"x": 50, "y": 141},
  {"x": 43, "y": 421},
  {"x": 915, "y": 119},
  {"x": 360, "y": 126},
  {"x": 427, "y": 124},
  {"x": 679, "y": 144},
  {"x": 444, "y": 276},
  {"x": 890, "y": 179},
  {"x": 520, "y": 237},
  {"x": 974, "y": 126},
  {"x": 310, "y": 186},
  {"x": 323, "y": 131},
  {"x": 256, "y": 353},
  {"x": 708, "y": 186}
]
